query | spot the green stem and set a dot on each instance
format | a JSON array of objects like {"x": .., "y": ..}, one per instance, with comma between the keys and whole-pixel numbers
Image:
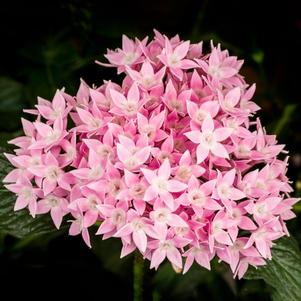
[{"x": 138, "y": 277}]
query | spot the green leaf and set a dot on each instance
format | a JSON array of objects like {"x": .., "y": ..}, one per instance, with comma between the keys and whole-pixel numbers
[
  {"x": 283, "y": 272},
  {"x": 285, "y": 119},
  {"x": 11, "y": 103},
  {"x": 11, "y": 94},
  {"x": 19, "y": 224}
]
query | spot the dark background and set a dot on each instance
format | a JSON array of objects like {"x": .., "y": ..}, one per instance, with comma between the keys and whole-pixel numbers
[{"x": 51, "y": 44}]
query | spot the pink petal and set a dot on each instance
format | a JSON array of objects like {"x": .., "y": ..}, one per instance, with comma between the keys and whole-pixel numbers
[
  {"x": 192, "y": 107},
  {"x": 246, "y": 223},
  {"x": 143, "y": 154},
  {"x": 233, "y": 96},
  {"x": 90, "y": 218},
  {"x": 48, "y": 186},
  {"x": 57, "y": 216},
  {"x": 58, "y": 101},
  {"x": 237, "y": 194},
  {"x": 157, "y": 258},
  {"x": 188, "y": 263},
  {"x": 175, "y": 257},
  {"x": 177, "y": 221},
  {"x": 150, "y": 194},
  {"x": 42, "y": 128},
  {"x": 185, "y": 158},
  {"x": 117, "y": 98},
  {"x": 176, "y": 186},
  {"x": 222, "y": 133},
  {"x": 84, "y": 115},
  {"x": 220, "y": 151},
  {"x": 148, "y": 174},
  {"x": 86, "y": 237},
  {"x": 223, "y": 238},
  {"x": 105, "y": 227},
  {"x": 164, "y": 169},
  {"x": 208, "y": 124},
  {"x": 21, "y": 203},
  {"x": 140, "y": 240},
  {"x": 203, "y": 260},
  {"x": 123, "y": 153},
  {"x": 75, "y": 228},
  {"x": 212, "y": 204},
  {"x": 133, "y": 93},
  {"x": 194, "y": 136},
  {"x": 181, "y": 50},
  {"x": 201, "y": 153},
  {"x": 262, "y": 247},
  {"x": 124, "y": 231}
]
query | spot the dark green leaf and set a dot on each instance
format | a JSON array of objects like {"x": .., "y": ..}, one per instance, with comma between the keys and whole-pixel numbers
[
  {"x": 283, "y": 272},
  {"x": 11, "y": 103}
]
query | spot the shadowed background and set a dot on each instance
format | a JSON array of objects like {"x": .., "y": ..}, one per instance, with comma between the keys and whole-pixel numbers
[{"x": 51, "y": 44}]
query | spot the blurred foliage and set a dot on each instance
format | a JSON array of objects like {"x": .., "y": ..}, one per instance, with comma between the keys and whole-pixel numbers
[{"x": 52, "y": 44}]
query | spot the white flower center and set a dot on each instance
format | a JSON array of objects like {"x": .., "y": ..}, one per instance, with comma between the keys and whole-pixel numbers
[
  {"x": 114, "y": 187},
  {"x": 166, "y": 245},
  {"x": 200, "y": 115},
  {"x": 95, "y": 172},
  {"x": 175, "y": 104},
  {"x": 217, "y": 226},
  {"x": 215, "y": 71},
  {"x": 260, "y": 184},
  {"x": 52, "y": 136},
  {"x": 35, "y": 161},
  {"x": 197, "y": 197},
  {"x": 53, "y": 201},
  {"x": 118, "y": 217},
  {"x": 260, "y": 210},
  {"x": 104, "y": 151},
  {"x": 53, "y": 173},
  {"x": 93, "y": 202},
  {"x": 243, "y": 150},
  {"x": 130, "y": 107},
  {"x": 162, "y": 215},
  {"x": 208, "y": 140},
  {"x": 138, "y": 225},
  {"x": 129, "y": 58},
  {"x": 94, "y": 124},
  {"x": 160, "y": 185},
  {"x": 173, "y": 61},
  {"x": 224, "y": 190},
  {"x": 137, "y": 190},
  {"x": 27, "y": 193},
  {"x": 149, "y": 130},
  {"x": 131, "y": 162},
  {"x": 184, "y": 173},
  {"x": 148, "y": 81}
]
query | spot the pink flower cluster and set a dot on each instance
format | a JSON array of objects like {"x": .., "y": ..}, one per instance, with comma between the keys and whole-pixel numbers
[{"x": 169, "y": 161}]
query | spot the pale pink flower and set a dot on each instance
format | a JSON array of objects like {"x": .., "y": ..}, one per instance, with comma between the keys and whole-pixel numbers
[
  {"x": 209, "y": 140},
  {"x": 161, "y": 185},
  {"x": 56, "y": 204},
  {"x": 175, "y": 60},
  {"x": 199, "y": 253},
  {"x": 137, "y": 228},
  {"x": 170, "y": 160},
  {"x": 176, "y": 101},
  {"x": 27, "y": 195},
  {"x": 146, "y": 77},
  {"x": 130, "y": 155}
]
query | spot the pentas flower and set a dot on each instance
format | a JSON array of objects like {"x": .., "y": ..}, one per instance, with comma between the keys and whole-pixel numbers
[
  {"x": 209, "y": 140},
  {"x": 170, "y": 160}
]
